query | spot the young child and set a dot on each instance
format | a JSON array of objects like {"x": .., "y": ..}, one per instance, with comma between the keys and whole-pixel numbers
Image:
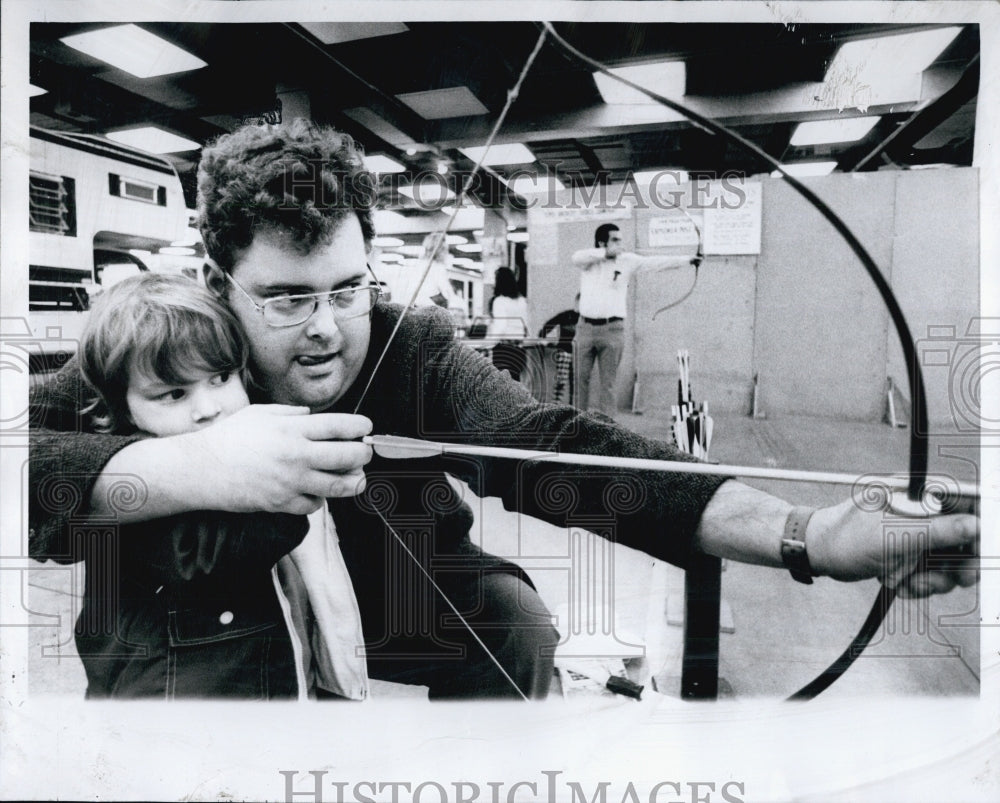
[{"x": 206, "y": 604}]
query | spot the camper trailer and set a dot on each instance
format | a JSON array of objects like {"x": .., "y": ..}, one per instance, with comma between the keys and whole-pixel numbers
[{"x": 99, "y": 211}]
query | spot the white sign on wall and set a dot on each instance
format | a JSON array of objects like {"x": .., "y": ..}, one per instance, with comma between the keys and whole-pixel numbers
[
  {"x": 575, "y": 209},
  {"x": 732, "y": 210},
  {"x": 677, "y": 229}
]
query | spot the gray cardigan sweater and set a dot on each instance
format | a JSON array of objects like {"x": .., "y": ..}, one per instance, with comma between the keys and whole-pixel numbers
[{"x": 431, "y": 387}]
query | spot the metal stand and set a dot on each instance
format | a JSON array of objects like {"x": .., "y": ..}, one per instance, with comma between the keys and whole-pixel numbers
[{"x": 702, "y": 601}]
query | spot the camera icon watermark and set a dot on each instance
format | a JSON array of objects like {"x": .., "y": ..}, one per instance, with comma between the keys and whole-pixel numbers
[
  {"x": 35, "y": 357},
  {"x": 963, "y": 362}
]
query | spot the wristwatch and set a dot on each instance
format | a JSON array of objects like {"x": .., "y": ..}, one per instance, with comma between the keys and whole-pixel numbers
[{"x": 793, "y": 544}]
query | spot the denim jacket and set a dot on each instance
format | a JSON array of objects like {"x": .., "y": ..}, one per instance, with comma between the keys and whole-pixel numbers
[{"x": 188, "y": 606}]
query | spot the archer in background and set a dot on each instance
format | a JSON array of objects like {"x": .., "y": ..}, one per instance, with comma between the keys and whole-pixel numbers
[
  {"x": 286, "y": 254},
  {"x": 606, "y": 270}
]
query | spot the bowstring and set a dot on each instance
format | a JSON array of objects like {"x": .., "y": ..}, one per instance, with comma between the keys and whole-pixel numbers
[
  {"x": 440, "y": 241},
  {"x": 467, "y": 185},
  {"x": 451, "y": 605}
]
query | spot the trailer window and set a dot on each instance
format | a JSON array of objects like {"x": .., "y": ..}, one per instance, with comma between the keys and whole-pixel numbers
[{"x": 136, "y": 190}]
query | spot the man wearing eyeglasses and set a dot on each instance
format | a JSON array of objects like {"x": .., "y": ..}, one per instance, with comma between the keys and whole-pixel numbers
[{"x": 286, "y": 218}]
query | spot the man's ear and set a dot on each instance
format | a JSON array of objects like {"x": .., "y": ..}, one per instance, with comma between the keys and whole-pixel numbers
[{"x": 214, "y": 279}]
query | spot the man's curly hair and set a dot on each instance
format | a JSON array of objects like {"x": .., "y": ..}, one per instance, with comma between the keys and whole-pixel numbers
[{"x": 301, "y": 180}]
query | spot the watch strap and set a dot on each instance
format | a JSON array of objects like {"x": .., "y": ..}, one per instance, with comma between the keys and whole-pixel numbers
[{"x": 793, "y": 544}]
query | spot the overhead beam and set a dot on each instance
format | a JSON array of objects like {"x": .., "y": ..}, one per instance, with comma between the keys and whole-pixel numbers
[
  {"x": 806, "y": 101},
  {"x": 385, "y": 106},
  {"x": 926, "y": 119}
]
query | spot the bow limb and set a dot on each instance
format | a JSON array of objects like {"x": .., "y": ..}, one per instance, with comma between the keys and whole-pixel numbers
[
  {"x": 918, "y": 443},
  {"x": 698, "y": 259}
]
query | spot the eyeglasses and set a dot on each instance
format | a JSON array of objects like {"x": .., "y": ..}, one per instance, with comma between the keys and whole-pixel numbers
[{"x": 285, "y": 311}]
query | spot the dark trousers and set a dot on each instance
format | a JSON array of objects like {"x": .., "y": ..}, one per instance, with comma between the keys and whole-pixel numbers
[{"x": 507, "y": 615}]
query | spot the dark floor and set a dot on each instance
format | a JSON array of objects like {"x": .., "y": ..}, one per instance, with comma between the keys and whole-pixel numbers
[{"x": 614, "y": 601}]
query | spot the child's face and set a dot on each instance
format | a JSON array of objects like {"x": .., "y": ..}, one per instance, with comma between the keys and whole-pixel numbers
[{"x": 163, "y": 409}]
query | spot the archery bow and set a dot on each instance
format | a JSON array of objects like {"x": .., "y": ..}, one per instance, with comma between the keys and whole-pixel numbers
[
  {"x": 918, "y": 445},
  {"x": 699, "y": 257}
]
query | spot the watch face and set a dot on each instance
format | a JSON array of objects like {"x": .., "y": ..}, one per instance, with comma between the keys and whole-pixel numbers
[{"x": 796, "y": 559}]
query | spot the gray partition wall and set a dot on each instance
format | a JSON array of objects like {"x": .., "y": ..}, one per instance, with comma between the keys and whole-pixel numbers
[{"x": 802, "y": 315}]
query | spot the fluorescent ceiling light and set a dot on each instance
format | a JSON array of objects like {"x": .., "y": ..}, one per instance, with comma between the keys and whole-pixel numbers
[
  {"x": 35, "y": 91},
  {"x": 869, "y": 60},
  {"x": 518, "y": 237},
  {"x": 533, "y": 185},
  {"x": 387, "y": 242},
  {"x": 667, "y": 78},
  {"x": 807, "y": 169},
  {"x": 513, "y": 153},
  {"x": 390, "y": 257},
  {"x": 134, "y": 50},
  {"x": 387, "y": 220},
  {"x": 462, "y": 262},
  {"x": 177, "y": 251},
  {"x": 411, "y": 250},
  {"x": 380, "y": 163},
  {"x": 153, "y": 140},
  {"x": 428, "y": 193},
  {"x": 820, "y": 132},
  {"x": 467, "y": 217},
  {"x": 660, "y": 177},
  {"x": 440, "y": 104},
  {"x": 456, "y": 239},
  {"x": 470, "y": 248},
  {"x": 192, "y": 236},
  {"x": 332, "y": 33}
]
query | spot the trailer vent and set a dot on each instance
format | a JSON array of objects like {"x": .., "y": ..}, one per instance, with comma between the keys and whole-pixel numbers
[{"x": 52, "y": 204}]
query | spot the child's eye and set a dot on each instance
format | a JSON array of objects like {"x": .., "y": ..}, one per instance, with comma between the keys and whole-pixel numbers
[
  {"x": 174, "y": 394},
  {"x": 222, "y": 378}
]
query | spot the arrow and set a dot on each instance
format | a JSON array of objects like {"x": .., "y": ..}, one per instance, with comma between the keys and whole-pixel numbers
[{"x": 395, "y": 447}]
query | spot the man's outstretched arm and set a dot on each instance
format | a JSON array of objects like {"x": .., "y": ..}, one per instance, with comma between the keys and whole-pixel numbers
[
  {"x": 842, "y": 542},
  {"x": 655, "y": 262}
]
